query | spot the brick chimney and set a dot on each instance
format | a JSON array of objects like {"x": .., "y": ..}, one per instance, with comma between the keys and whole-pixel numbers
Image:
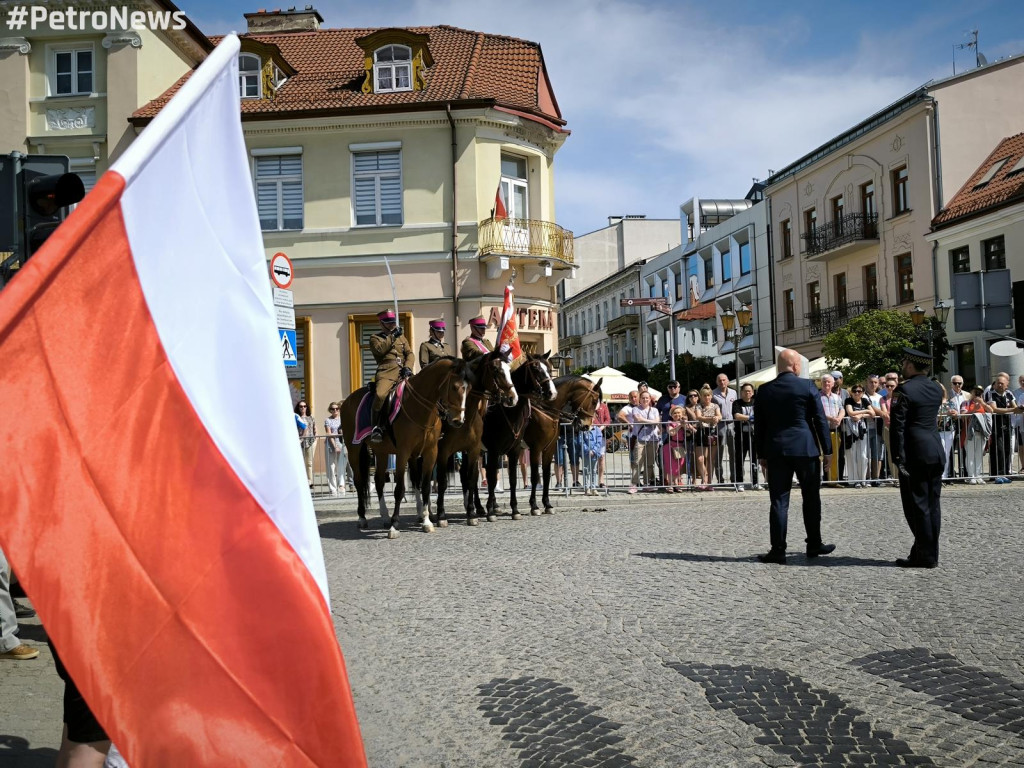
[{"x": 292, "y": 20}]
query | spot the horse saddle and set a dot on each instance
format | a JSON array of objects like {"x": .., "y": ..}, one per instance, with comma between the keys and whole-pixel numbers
[{"x": 364, "y": 413}]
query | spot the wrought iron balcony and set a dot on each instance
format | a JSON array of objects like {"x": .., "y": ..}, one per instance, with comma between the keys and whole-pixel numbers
[
  {"x": 531, "y": 238},
  {"x": 623, "y": 323},
  {"x": 570, "y": 342},
  {"x": 849, "y": 229},
  {"x": 825, "y": 321}
]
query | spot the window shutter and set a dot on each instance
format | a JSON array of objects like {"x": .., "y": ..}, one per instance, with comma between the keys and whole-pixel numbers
[
  {"x": 291, "y": 204},
  {"x": 365, "y": 202},
  {"x": 391, "y": 200},
  {"x": 266, "y": 204},
  {"x": 369, "y": 365}
]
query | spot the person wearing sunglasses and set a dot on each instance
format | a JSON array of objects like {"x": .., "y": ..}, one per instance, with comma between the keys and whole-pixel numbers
[
  {"x": 306, "y": 425},
  {"x": 858, "y": 414},
  {"x": 337, "y": 465}
]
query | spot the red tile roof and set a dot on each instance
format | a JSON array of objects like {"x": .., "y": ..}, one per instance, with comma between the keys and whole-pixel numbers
[
  {"x": 469, "y": 67},
  {"x": 1004, "y": 188},
  {"x": 703, "y": 311}
]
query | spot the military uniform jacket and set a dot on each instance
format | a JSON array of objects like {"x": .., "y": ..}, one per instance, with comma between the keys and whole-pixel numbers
[
  {"x": 472, "y": 347},
  {"x": 391, "y": 353},
  {"x": 913, "y": 423},
  {"x": 432, "y": 350}
]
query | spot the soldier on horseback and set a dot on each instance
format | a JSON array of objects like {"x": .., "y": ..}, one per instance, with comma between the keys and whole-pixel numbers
[
  {"x": 394, "y": 357},
  {"x": 475, "y": 344},
  {"x": 435, "y": 346}
]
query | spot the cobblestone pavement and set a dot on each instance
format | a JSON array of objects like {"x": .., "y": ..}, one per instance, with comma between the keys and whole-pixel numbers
[{"x": 640, "y": 631}]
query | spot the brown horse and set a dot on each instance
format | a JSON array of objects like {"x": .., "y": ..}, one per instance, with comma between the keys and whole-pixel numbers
[
  {"x": 491, "y": 380},
  {"x": 435, "y": 393},
  {"x": 504, "y": 427},
  {"x": 572, "y": 409}
]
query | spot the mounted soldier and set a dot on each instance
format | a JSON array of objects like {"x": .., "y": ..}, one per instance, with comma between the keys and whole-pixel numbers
[
  {"x": 475, "y": 344},
  {"x": 435, "y": 347},
  {"x": 394, "y": 357}
]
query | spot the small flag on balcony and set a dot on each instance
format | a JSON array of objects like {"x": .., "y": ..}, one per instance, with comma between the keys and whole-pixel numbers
[
  {"x": 508, "y": 335},
  {"x": 499, "y": 212}
]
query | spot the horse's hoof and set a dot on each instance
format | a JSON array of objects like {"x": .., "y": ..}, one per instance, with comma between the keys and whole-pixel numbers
[
  {"x": 428, "y": 528},
  {"x": 534, "y": 511},
  {"x": 548, "y": 511},
  {"x": 491, "y": 518},
  {"x": 392, "y": 534},
  {"x": 472, "y": 521},
  {"x": 363, "y": 525},
  {"x": 516, "y": 516},
  {"x": 442, "y": 523}
]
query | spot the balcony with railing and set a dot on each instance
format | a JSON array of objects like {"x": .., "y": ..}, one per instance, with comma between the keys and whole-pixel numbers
[
  {"x": 570, "y": 342},
  {"x": 538, "y": 248},
  {"x": 839, "y": 237},
  {"x": 824, "y": 321},
  {"x": 623, "y": 323}
]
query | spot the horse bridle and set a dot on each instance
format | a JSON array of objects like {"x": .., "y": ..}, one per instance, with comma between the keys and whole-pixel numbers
[
  {"x": 442, "y": 407},
  {"x": 536, "y": 381},
  {"x": 500, "y": 391},
  {"x": 574, "y": 415}
]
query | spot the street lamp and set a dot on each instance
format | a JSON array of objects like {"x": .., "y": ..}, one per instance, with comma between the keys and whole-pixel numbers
[
  {"x": 735, "y": 325},
  {"x": 564, "y": 361},
  {"x": 917, "y": 316}
]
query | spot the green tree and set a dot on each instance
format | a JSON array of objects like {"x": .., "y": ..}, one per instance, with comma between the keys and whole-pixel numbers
[
  {"x": 874, "y": 342},
  {"x": 700, "y": 371},
  {"x": 635, "y": 371}
]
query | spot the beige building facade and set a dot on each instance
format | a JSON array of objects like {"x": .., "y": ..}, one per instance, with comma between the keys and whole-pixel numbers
[
  {"x": 849, "y": 220},
  {"x": 72, "y": 91}
]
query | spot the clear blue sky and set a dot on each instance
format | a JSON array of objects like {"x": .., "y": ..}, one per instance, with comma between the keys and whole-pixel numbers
[{"x": 668, "y": 100}]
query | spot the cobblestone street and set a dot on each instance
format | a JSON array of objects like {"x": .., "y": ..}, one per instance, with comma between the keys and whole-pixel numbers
[{"x": 641, "y": 631}]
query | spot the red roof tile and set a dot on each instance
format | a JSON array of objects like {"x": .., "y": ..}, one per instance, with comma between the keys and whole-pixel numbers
[
  {"x": 703, "y": 311},
  {"x": 468, "y": 67},
  {"x": 1004, "y": 188}
]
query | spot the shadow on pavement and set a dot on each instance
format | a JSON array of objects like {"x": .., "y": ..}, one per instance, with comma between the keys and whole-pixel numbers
[
  {"x": 31, "y": 632},
  {"x": 794, "y": 558},
  {"x": 15, "y": 753}
]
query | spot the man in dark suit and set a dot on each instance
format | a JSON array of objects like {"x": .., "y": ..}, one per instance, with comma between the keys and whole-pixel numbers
[
  {"x": 918, "y": 456},
  {"x": 791, "y": 436}
]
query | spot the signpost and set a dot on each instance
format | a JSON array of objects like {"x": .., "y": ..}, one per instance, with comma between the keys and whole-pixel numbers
[
  {"x": 282, "y": 274},
  {"x": 659, "y": 305}
]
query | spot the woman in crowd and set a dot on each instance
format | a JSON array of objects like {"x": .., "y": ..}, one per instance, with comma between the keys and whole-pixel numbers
[
  {"x": 647, "y": 440},
  {"x": 337, "y": 466},
  {"x": 743, "y": 415},
  {"x": 602, "y": 419},
  {"x": 859, "y": 413},
  {"x": 948, "y": 415},
  {"x": 974, "y": 433},
  {"x": 673, "y": 453},
  {"x": 690, "y": 411},
  {"x": 306, "y": 425},
  {"x": 707, "y": 415}
]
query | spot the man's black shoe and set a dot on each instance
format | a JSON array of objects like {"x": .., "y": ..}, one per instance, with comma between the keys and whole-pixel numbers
[
  {"x": 23, "y": 611},
  {"x": 773, "y": 556},
  {"x": 376, "y": 436},
  {"x": 820, "y": 549},
  {"x": 908, "y": 563}
]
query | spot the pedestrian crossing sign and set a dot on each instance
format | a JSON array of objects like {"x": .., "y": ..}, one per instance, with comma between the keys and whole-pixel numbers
[{"x": 288, "y": 347}]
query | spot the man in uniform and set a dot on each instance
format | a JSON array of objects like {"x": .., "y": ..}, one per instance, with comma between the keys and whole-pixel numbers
[
  {"x": 394, "y": 357},
  {"x": 475, "y": 344},
  {"x": 918, "y": 456},
  {"x": 435, "y": 347}
]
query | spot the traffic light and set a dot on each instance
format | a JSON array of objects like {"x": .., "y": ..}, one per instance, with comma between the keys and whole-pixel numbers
[
  {"x": 34, "y": 193},
  {"x": 47, "y": 189}
]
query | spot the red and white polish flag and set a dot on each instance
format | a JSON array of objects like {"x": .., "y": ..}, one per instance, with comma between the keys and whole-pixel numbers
[
  {"x": 508, "y": 334},
  {"x": 500, "y": 212},
  {"x": 155, "y": 505}
]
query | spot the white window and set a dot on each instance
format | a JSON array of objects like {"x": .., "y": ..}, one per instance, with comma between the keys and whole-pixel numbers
[
  {"x": 515, "y": 186},
  {"x": 392, "y": 68},
  {"x": 71, "y": 72},
  {"x": 278, "y": 179},
  {"x": 249, "y": 76},
  {"x": 377, "y": 188}
]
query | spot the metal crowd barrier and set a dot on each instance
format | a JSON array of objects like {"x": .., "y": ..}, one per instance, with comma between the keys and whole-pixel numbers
[{"x": 613, "y": 457}]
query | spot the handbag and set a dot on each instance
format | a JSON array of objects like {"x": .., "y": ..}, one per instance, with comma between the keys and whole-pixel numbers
[{"x": 308, "y": 442}]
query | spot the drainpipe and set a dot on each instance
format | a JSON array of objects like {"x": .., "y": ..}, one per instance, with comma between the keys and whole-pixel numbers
[
  {"x": 771, "y": 277},
  {"x": 455, "y": 219},
  {"x": 936, "y": 191}
]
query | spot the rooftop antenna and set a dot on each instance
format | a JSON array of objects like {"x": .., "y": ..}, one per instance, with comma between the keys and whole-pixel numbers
[{"x": 979, "y": 57}]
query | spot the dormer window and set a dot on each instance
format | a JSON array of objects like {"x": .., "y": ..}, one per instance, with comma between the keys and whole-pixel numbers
[
  {"x": 249, "y": 76},
  {"x": 392, "y": 68}
]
